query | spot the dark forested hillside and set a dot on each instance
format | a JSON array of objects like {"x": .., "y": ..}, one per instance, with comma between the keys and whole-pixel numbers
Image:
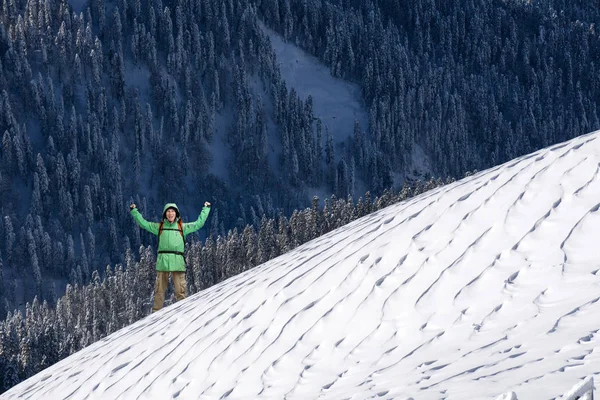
[{"x": 474, "y": 82}]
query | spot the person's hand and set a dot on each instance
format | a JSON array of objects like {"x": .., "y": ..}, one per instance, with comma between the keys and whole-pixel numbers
[
  {"x": 206, "y": 204},
  {"x": 132, "y": 206}
]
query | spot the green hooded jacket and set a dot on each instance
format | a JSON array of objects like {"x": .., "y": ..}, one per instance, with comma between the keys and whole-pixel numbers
[{"x": 171, "y": 240}]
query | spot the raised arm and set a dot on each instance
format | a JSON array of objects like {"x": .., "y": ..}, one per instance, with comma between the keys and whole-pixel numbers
[
  {"x": 151, "y": 227},
  {"x": 192, "y": 227}
]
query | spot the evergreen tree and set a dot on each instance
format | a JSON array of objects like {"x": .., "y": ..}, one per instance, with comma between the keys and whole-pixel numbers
[
  {"x": 11, "y": 374},
  {"x": 330, "y": 161},
  {"x": 234, "y": 254},
  {"x": 46, "y": 248},
  {"x": 283, "y": 235},
  {"x": 8, "y": 153},
  {"x": 266, "y": 241},
  {"x": 91, "y": 242},
  {"x": 10, "y": 239},
  {"x": 89, "y": 209},
  {"x": 113, "y": 244},
  {"x": 249, "y": 245},
  {"x": 25, "y": 355},
  {"x": 33, "y": 259},
  {"x": 2, "y": 289},
  {"x": 36, "y": 197},
  {"x": 11, "y": 349},
  {"x": 343, "y": 178}
]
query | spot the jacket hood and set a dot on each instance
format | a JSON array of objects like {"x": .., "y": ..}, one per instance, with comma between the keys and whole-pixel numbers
[{"x": 170, "y": 205}]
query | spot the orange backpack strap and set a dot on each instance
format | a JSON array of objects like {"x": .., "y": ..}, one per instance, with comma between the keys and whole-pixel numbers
[{"x": 179, "y": 225}]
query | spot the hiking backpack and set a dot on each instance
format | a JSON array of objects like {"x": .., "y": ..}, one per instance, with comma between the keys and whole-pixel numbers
[{"x": 179, "y": 225}]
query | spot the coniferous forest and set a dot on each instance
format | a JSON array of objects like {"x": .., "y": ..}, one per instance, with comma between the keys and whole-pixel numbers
[{"x": 125, "y": 101}]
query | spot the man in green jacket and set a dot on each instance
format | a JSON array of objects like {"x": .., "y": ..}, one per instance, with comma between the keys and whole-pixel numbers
[{"x": 171, "y": 242}]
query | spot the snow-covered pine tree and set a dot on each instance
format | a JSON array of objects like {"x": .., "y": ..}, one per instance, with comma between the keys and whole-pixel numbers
[
  {"x": 91, "y": 243},
  {"x": 10, "y": 239},
  {"x": 234, "y": 254},
  {"x": 249, "y": 245},
  {"x": 37, "y": 207},
  {"x": 11, "y": 348},
  {"x": 266, "y": 241},
  {"x": 2, "y": 294}
]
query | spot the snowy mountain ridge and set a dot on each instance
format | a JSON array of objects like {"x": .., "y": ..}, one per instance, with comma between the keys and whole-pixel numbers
[{"x": 477, "y": 289}]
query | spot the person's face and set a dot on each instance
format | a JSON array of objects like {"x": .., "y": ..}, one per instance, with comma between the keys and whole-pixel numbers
[{"x": 171, "y": 215}]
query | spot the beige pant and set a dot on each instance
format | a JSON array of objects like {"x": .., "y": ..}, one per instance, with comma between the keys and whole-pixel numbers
[{"x": 162, "y": 282}]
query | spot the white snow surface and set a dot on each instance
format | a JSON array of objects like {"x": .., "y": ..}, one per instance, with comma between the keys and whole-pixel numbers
[
  {"x": 338, "y": 103},
  {"x": 482, "y": 289}
]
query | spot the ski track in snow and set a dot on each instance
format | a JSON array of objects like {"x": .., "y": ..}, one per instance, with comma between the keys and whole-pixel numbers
[{"x": 482, "y": 286}]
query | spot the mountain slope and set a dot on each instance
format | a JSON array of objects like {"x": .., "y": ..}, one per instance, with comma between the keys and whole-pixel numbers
[{"x": 483, "y": 286}]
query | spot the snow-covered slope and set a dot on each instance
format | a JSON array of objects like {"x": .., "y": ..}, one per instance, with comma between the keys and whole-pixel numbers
[{"x": 470, "y": 291}]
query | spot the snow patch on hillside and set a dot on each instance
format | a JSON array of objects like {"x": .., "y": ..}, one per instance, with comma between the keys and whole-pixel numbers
[
  {"x": 219, "y": 148},
  {"x": 420, "y": 165},
  {"x": 336, "y": 102}
]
